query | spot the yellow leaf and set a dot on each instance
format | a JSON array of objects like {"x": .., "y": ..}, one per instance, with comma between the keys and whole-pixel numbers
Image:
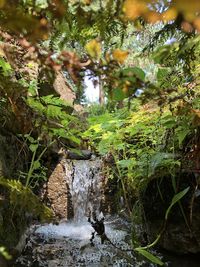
[
  {"x": 87, "y": 2},
  {"x": 93, "y": 48},
  {"x": 119, "y": 55},
  {"x": 134, "y": 8},
  {"x": 186, "y": 26},
  {"x": 185, "y": 6},
  {"x": 152, "y": 16},
  {"x": 107, "y": 56},
  {"x": 196, "y": 23},
  {"x": 189, "y": 9},
  {"x": 2, "y": 3},
  {"x": 196, "y": 112},
  {"x": 169, "y": 14},
  {"x": 125, "y": 89}
]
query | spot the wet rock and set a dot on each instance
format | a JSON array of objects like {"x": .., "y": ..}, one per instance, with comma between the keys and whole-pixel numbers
[
  {"x": 181, "y": 235},
  {"x": 79, "y": 155},
  {"x": 85, "y": 182},
  {"x": 68, "y": 245},
  {"x": 74, "y": 187},
  {"x": 57, "y": 192}
]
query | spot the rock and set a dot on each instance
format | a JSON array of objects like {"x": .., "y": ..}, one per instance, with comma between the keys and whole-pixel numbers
[
  {"x": 56, "y": 85},
  {"x": 53, "y": 263},
  {"x": 181, "y": 235},
  {"x": 47, "y": 248},
  {"x": 63, "y": 89},
  {"x": 79, "y": 154},
  {"x": 57, "y": 192}
]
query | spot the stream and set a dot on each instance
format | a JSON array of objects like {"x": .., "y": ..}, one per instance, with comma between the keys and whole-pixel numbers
[{"x": 69, "y": 243}]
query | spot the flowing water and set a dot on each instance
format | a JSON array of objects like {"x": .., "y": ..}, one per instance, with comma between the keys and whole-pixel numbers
[
  {"x": 85, "y": 183},
  {"x": 68, "y": 243}
]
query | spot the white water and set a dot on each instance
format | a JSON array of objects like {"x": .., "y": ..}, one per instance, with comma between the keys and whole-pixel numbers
[
  {"x": 78, "y": 231},
  {"x": 77, "y": 236},
  {"x": 85, "y": 182}
]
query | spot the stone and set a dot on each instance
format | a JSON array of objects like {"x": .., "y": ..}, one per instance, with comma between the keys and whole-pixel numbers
[
  {"x": 62, "y": 88},
  {"x": 57, "y": 192},
  {"x": 79, "y": 155}
]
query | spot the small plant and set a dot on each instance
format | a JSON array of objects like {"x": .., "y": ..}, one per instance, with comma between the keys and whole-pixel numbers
[
  {"x": 24, "y": 200},
  {"x": 36, "y": 172}
]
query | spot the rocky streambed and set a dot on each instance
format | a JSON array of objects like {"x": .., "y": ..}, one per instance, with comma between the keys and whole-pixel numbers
[{"x": 68, "y": 244}]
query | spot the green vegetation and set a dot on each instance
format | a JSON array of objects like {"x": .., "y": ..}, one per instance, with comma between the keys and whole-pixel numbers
[{"x": 145, "y": 55}]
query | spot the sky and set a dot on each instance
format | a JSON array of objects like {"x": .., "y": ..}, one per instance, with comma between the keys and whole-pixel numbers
[{"x": 91, "y": 92}]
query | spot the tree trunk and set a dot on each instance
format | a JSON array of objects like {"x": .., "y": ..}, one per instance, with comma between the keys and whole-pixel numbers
[{"x": 101, "y": 92}]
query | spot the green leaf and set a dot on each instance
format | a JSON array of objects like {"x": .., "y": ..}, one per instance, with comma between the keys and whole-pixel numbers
[
  {"x": 135, "y": 71},
  {"x": 162, "y": 53},
  {"x": 131, "y": 79},
  {"x": 33, "y": 147},
  {"x": 169, "y": 122},
  {"x": 175, "y": 199},
  {"x": 149, "y": 256},
  {"x": 32, "y": 88},
  {"x": 126, "y": 163},
  {"x": 41, "y": 3},
  {"x": 36, "y": 165},
  {"x": 76, "y": 151},
  {"x": 162, "y": 73},
  {"x": 36, "y": 105},
  {"x": 74, "y": 139},
  {"x": 139, "y": 73},
  {"x": 6, "y": 68},
  {"x": 5, "y": 254},
  {"x": 181, "y": 134},
  {"x": 118, "y": 94}
]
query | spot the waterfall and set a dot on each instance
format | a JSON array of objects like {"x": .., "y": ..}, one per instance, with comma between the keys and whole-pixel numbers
[
  {"x": 70, "y": 240},
  {"x": 84, "y": 179}
]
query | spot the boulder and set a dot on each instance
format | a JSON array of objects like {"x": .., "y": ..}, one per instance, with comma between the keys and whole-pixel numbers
[
  {"x": 63, "y": 89},
  {"x": 79, "y": 154},
  {"x": 57, "y": 191}
]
